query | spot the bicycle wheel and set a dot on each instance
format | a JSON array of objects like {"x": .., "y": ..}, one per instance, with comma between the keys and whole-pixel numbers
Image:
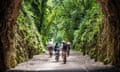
[{"x": 64, "y": 58}]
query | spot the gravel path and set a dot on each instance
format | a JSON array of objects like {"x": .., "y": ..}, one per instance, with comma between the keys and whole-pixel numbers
[{"x": 76, "y": 62}]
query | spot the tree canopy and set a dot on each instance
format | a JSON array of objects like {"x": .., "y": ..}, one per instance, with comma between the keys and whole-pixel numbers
[{"x": 75, "y": 20}]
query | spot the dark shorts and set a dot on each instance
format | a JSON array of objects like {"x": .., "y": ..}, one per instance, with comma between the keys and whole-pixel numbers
[
  {"x": 55, "y": 49},
  {"x": 50, "y": 48}
]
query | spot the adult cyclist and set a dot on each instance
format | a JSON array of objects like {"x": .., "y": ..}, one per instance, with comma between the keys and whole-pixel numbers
[
  {"x": 50, "y": 48},
  {"x": 64, "y": 52}
]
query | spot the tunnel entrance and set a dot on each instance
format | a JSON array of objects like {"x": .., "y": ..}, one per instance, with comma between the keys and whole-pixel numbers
[{"x": 77, "y": 21}]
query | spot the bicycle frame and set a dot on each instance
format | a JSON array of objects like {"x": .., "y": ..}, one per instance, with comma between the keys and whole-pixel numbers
[{"x": 64, "y": 54}]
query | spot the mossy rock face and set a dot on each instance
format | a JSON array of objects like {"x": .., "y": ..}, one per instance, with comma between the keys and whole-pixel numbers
[
  {"x": 25, "y": 50},
  {"x": 13, "y": 62},
  {"x": 28, "y": 39}
]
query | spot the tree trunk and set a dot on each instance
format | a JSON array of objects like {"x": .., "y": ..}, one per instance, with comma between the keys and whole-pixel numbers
[
  {"x": 9, "y": 10},
  {"x": 110, "y": 35}
]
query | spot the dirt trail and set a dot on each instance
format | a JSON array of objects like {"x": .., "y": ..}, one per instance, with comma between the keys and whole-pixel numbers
[{"x": 76, "y": 62}]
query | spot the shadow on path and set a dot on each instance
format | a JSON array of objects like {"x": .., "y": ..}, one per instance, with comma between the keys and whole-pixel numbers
[{"x": 100, "y": 69}]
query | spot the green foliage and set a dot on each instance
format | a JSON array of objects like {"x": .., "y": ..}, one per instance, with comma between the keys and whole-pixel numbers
[
  {"x": 29, "y": 39},
  {"x": 76, "y": 20},
  {"x": 87, "y": 35}
]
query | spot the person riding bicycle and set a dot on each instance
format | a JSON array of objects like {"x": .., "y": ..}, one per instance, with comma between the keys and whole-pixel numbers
[
  {"x": 64, "y": 47},
  {"x": 57, "y": 50},
  {"x": 64, "y": 52},
  {"x": 68, "y": 47},
  {"x": 50, "y": 48}
]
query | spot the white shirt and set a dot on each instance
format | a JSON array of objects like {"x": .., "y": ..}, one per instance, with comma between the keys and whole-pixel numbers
[
  {"x": 68, "y": 43},
  {"x": 50, "y": 44}
]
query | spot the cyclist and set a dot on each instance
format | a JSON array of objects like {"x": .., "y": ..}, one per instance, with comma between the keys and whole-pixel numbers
[
  {"x": 57, "y": 50},
  {"x": 68, "y": 47},
  {"x": 64, "y": 52},
  {"x": 50, "y": 48}
]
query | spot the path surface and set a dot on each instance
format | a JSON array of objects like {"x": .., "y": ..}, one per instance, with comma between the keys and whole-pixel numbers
[{"x": 76, "y": 62}]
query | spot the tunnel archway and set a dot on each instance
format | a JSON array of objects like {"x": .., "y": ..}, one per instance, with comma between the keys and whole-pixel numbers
[
  {"x": 8, "y": 15},
  {"x": 109, "y": 39},
  {"x": 110, "y": 33}
]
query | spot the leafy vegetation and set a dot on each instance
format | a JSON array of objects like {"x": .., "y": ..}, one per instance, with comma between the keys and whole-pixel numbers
[
  {"x": 76, "y": 20},
  {"x": 79, "y": 21},
  {"x": 29, "y": 39}
]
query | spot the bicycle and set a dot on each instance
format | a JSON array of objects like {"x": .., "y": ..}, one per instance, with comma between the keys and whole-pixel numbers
[
  {"x": 57, "y": 53},
  {"x": 64, "y": 55},
  {"x": 50, "y": 51}
]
